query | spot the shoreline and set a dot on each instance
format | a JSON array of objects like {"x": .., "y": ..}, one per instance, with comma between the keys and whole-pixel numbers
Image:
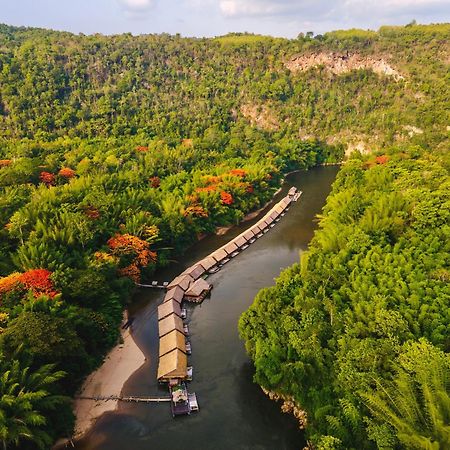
[{"x": 118, "y": 366}]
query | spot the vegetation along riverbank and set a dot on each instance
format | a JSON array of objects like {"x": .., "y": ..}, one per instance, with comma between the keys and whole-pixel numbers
[{"x": 119, "y": 152}]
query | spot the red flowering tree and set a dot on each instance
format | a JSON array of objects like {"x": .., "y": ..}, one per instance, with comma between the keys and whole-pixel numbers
[
  {"x": 47, "y": 178},
  {"x": 226, "y": 198},
  {"x": 39, "y": 281},
  {"x": 141, "y": 148},
  {"x": 155, "y": 182},
  {"x": 383, "y": 159},
  {"x": 67, "y": 173}
]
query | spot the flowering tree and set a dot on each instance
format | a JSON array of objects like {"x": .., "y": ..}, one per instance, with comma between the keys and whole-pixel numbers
[
  {"x": 39, "y": 281},
  {"x": 127, "y": 245},
  {"x": 47, "y": 178},
  {"x": 67, "y": 173},
  {"x": 226, "y": 198},
  {"x": 155, "y": 182},
  {"x": 5, "y": 162}
]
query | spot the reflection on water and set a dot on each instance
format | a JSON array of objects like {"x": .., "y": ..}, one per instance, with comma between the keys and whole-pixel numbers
[{"x": 234, "y": 413}]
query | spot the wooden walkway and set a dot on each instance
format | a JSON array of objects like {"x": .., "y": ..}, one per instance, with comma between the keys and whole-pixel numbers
[{"x": 126, "y": 399}]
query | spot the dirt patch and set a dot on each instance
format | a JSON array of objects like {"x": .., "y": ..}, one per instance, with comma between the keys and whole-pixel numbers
[{"x": 340, "y": 63}]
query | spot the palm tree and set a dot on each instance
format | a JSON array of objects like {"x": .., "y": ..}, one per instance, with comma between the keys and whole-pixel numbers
[
  {"x": 416, "y": 403},
  {"x": 24, "y": 400}
]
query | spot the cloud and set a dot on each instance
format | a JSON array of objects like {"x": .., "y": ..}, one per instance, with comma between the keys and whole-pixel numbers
[
  {"x": 322, "y": 9},
  {"x": 136, "y": 8}
]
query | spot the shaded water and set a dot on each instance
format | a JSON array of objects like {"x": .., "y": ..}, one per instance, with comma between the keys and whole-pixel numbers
[{"x": 234, "y": 412}]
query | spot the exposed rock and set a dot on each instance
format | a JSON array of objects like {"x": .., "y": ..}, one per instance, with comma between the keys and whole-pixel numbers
[
  {"x": 260, "y": 116},
  {"x": 412, "y": 130},
  {"x": 290, "y": 407},
  {"x": 339, "y": 63}
]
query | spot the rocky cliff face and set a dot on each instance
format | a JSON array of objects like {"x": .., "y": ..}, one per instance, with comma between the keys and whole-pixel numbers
[{"x": 339, "y": 63}]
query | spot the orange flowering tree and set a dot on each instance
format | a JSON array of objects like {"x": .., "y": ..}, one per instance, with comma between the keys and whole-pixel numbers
[
  {"x": 226, "y": 198},
  {"x": 36, "y": 280},
  {"x": 195, "y": 211},
  {"x": 141, "y": 148},
  {"x": 5, "y": 162},
  {"x": 47, "y": 178},
  {"x": 9, "y": 283},
  {"x": 134, "y": 252},
  {"x": 67, "y": 173}
]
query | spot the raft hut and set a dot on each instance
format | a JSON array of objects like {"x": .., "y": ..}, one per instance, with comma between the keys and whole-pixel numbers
[
  {"x": 175, "y": 293},
  {"x": 198, "y": 291},
  {"x": 221, "y": 256},
  {"x": 167, "y": 308},
  {"x": 183, "y": 281},
  {"x": 174, "y": 340},
  {"x": 195, "y": 271},
  {"x": 231, "y": 248},
  {"x": 210, "y": 264},
  {"x": 240, "y": 241},
  {"x": 170, "y": 323},
  {"x": 172, "y": 366}
]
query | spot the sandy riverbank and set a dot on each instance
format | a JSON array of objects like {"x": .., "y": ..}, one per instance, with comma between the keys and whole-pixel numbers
[{"x": 120, "y": 363}]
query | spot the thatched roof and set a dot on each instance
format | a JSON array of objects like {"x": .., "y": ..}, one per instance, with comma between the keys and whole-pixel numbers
[
  {"x": 168, "y": 308},
  {"x": 198, "y": 288},
  {"x": 240, "y": 241},
  {"x": 171, "y": 341},
  {"x": 274, "y": 215},
  {"x": 267, "y": 221},
  {"x": 258, "y": 227},
  {"x": 172, "y": 365},
  {"x": 208, "y": 262},
  {"x": 286, "y": 201},
  {"x": 279, "y": 208},
  {"x": 249, "y": 234},
  {"x": 219, "y": 254},
  {"x": 292, "y": 190},
  {"x": 182, "y": 280},
  {"x": 195, "y": 271},
  {"x": 175, "y": 293},
  {"x": 230, "y": 247},
  {"x": 170, "y": 323}
]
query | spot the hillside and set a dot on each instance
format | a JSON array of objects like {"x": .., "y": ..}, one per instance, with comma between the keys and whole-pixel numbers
[{"x": 117, "y": 153}]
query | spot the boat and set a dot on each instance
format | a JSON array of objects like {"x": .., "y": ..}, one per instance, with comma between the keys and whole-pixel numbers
[
  {"x": 213, "y": 270},
  {"x": 193, "y": 404},
  {"x": 188, "y": 348},
  {"x": 252, "y": 240},
  {"x": 235, "y": 253},
  {"x": 184, "y": 313},
  {"x": 186, "y": 329},
  {"x": 189, "y": 372},
  {"x": 179, "y": 400},
  {"x": 244, "y": 247}
]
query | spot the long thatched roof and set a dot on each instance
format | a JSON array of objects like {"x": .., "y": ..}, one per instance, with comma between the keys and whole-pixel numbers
[
  {"x": 172, "y": 365},
  {"x": 170, "y": 323},
  {"x": 171, "y": 341},
  {"x": 167, "y": 308},
  {"x": 175, "y": 293}
]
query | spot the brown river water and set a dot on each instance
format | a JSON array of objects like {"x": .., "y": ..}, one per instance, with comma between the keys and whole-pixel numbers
[{"x": 234, "y": 412}]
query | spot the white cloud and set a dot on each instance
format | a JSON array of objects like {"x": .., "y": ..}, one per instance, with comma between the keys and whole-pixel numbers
[
  {"x": 324, "y": 8},
  {"x": 136, "y": 6}
]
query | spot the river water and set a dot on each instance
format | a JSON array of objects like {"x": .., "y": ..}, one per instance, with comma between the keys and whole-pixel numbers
[{"x": 234, "y": 412}]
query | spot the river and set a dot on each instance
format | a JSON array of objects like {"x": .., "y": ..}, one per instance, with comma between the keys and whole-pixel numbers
[{"x": 234, "y": 412}]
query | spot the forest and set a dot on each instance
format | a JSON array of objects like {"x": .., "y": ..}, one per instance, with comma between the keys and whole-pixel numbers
[
  {"x": 117, "y": 153},
  {"x": 357, "y": 332}
]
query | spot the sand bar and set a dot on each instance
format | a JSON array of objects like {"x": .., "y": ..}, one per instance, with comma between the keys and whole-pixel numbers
[{"x": 120, "y": 363}]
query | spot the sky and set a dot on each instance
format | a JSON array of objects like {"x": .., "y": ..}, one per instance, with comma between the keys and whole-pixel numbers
[{"x": 199, "y": 18}]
